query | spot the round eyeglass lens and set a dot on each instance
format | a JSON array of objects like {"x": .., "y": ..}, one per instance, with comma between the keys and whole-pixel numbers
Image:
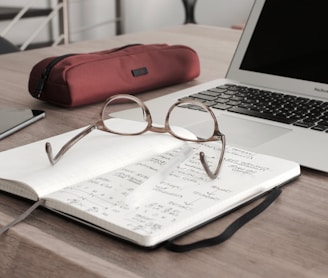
[
  {"x": 128, "y": 123},
  {"x": 198, "y": 131}
]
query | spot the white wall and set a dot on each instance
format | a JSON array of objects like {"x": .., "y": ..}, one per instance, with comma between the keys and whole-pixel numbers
[
  {"x": 151, "y": 14},
  {"x": 223, "y": 13},
  {"x": 92, "y": 19},
  {"x": 143, "y": 15}
]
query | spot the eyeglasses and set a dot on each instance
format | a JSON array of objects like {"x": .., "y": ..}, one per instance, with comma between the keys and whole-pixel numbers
[{"x": 106, "y": 123}]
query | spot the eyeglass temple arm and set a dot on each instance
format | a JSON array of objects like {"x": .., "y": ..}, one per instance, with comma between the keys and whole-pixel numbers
[
  {"x": 214, "y": 174},
  {"x": 53, "y": 160}
]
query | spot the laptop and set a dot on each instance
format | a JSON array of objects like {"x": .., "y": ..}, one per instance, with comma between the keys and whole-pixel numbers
[{"x": 282, "y": 53}]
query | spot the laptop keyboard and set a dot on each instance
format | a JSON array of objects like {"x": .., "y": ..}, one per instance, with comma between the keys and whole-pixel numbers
[{"x": 283, "y": 108}]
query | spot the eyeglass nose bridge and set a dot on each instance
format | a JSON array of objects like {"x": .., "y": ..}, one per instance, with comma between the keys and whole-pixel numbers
[{"x": 159, "y": 129}]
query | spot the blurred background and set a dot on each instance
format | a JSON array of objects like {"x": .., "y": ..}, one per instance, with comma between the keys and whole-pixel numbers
[{"x": 37, "y": 23}]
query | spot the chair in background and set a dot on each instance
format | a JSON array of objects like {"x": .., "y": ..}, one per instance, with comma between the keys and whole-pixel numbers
[{"x": 6, "y": 46}]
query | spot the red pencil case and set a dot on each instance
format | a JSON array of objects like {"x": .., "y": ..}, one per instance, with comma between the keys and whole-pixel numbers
[{"x": 78, "y": 79}]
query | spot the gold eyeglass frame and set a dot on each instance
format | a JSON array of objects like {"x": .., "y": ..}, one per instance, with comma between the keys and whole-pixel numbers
[{"x": 100, "y": 125}]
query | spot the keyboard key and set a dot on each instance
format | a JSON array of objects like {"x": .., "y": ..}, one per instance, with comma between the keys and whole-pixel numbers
[
  {"x": 320, "y": 127},
  {"x": 203, "y": 97},
  {"x": 222, "y": 100},
  {"x": 212, "y": 93},
  {"x": 233, "y": 102},
  {"x": 304, "y": 124},
  {"x": 221, "y": 106},
  {"x": 217, "y": 90}
]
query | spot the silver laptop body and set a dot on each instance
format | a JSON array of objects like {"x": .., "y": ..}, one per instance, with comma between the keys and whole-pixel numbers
[{"x": 283, "y": 49}]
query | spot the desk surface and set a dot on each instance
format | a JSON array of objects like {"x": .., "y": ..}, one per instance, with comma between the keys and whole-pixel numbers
[{"x": 290, "y": 239}]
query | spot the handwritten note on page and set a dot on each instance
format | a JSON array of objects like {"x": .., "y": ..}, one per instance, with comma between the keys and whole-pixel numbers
[{"x": 185, "y": 198}]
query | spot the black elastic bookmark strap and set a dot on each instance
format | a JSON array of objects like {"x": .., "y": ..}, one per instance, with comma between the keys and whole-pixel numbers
[
  {"x": 230, "y": 230},
  {"x": 21, "y": 217}
]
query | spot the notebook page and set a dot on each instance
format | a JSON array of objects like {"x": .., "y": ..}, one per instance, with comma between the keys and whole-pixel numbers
[
  {"x": 99, "y": 152},
  {"x": 184, "y": 199}
]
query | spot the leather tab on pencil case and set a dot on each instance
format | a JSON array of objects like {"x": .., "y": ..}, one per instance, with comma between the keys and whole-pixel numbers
[{"x": 74, "y": 80}]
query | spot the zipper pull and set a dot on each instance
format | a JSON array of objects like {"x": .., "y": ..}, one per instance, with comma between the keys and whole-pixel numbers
[
  {"x": 39, "y": 88},
  {"x": 45, "y": 74}
]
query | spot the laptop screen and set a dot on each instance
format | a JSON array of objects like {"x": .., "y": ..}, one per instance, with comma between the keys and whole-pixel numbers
[{"x": 290, "y": 40}]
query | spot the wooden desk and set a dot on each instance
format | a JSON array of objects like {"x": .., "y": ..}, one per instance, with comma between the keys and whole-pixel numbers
[{"x": 290, "y": 239}]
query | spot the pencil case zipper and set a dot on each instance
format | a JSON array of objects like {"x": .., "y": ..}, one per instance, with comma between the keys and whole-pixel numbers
[{"x": 46, "y": 72}]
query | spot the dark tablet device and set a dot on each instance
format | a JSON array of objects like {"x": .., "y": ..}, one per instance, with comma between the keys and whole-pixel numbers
[{"x": 12, "y": 119}]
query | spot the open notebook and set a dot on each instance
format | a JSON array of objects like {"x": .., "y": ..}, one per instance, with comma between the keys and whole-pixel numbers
[{"x": 104, "y": 181}]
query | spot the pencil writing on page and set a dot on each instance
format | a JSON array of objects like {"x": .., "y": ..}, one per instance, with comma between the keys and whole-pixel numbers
[{"x": 143, "y": 190}]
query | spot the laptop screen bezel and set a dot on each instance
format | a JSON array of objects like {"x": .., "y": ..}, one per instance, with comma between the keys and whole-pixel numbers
[{"x": 268, "y": 81}]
